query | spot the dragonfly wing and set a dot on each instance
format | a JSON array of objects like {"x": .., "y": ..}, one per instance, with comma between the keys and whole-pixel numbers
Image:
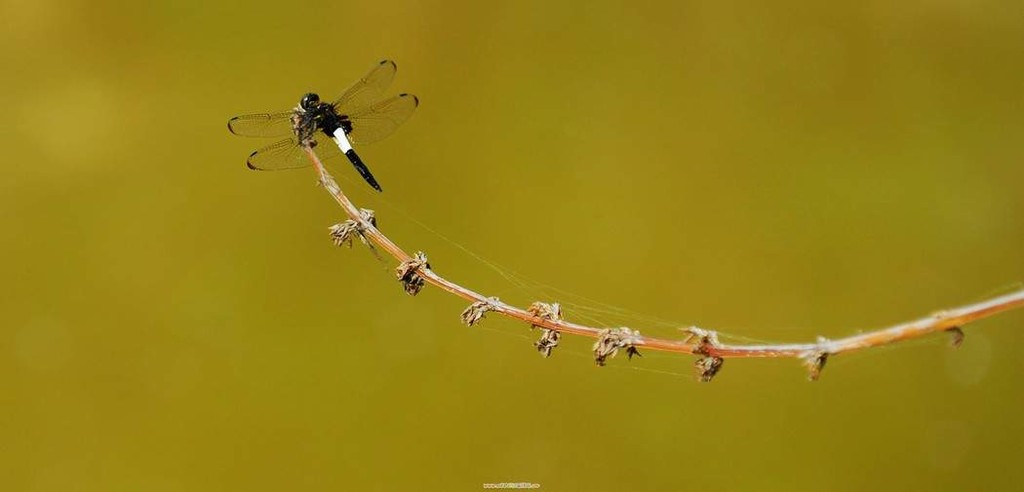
[
  {"x": 367, "y": 89},
  {"x": 381, "y": 119},
  {"x": 284, "y": 154},
  {"x": 287, "y": 154},
  {"x": 262, "y": 124},
  {"x": 326, "y": 148}
]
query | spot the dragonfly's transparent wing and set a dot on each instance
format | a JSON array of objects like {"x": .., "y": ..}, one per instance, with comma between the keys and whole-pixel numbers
[
  {"x": 381, "y": 119},
  {"x": 326, "y": 148},
  {"x": 287, "y": 154},
  {"x": 284, "y": 154},
  {"x": 262, "y": 124},
  {"x": 367, "y": 89}
]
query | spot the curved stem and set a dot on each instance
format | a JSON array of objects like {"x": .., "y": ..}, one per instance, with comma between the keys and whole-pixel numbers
[{"x": 949, "y": 320}]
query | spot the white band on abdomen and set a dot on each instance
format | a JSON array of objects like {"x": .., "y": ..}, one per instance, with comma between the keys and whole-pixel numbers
[{"x": 342, "y": 140}]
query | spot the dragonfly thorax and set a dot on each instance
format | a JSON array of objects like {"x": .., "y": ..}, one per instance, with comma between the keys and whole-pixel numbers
[{"x": 313, "y": 115}]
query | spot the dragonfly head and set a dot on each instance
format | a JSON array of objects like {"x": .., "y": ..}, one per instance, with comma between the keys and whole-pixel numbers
[{"x": 309, "y": 101}]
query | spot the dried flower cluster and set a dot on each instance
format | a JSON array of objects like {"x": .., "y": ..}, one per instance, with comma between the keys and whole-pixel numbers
[
  {"x": 610, "y": 340},
  {"x": 958, "y": 336},
  {"x": 408, "y": 272},
  {"x": 815, "y": 360},
  {"x": 707, "y": 365},
  {"x": 342, "y": 234},
  {"x": 548, "y": 338},
  {"x": 475, "y": 312}
]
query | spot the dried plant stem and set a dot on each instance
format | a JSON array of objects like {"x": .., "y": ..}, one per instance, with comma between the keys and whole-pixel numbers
[{"x": 707, "y": 345}]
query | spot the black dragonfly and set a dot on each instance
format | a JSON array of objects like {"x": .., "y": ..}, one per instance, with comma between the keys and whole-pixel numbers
[{"x": 358, "y": 117}]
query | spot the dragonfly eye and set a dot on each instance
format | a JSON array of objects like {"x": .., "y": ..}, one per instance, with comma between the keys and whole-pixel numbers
[{"x": 309, "y": 101}]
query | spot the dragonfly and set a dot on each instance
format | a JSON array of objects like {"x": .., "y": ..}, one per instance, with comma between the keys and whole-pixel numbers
[{"x": 360, "y": 116}]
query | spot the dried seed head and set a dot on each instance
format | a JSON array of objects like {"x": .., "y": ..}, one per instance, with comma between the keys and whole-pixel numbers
[
  {"x": 957, "y": 336},
  {"x": 610, "y": 340},
  {"x": 408, "y": 272},
  {"x": 551, "y": 311},
  {"x": 705, "y": 339},
  {"x": 475, "y": 312},
  {"x": 342, "y": 234},
  {"x": 815, "y": 360},
  {"x": 815, "y": 363},
  {"x": 548, "y": 341},
  {"x": 707, "y": 367},
  {"x": 548, "y": 338}
]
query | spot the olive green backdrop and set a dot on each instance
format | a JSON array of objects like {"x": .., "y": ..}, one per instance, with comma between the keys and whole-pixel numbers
[{"x": 172, "y": 321}]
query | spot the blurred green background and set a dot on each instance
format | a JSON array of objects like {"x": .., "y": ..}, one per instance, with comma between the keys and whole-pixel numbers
[{"x": 173, "y": 321}]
